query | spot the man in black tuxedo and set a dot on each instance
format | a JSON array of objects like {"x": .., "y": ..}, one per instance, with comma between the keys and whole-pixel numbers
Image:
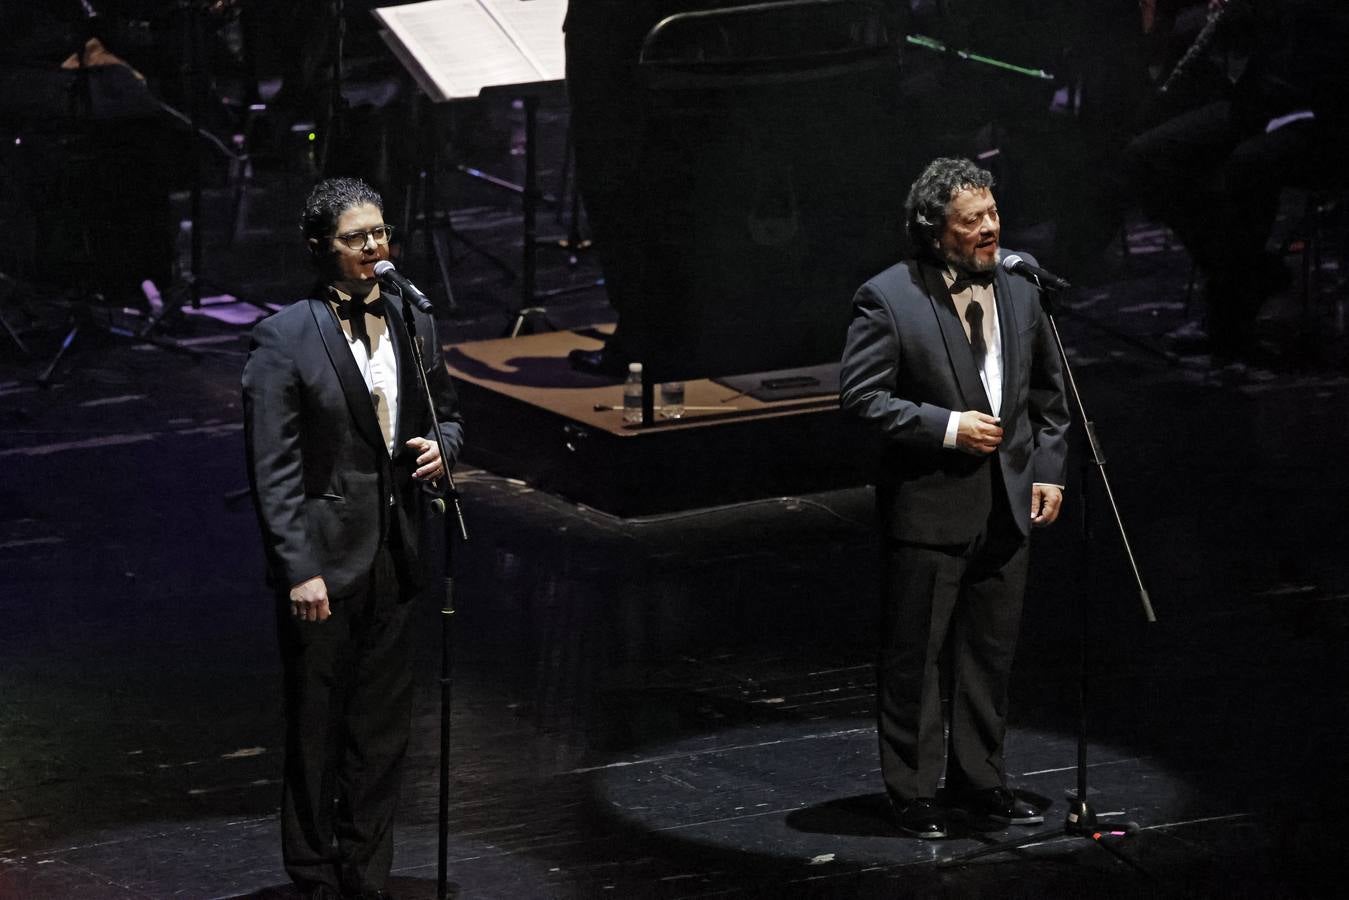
[
  {"x": 952, "y": 360},
  {"x": 340, "y": 444}
]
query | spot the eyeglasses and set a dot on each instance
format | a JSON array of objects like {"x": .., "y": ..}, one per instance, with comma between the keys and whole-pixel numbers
[{"x": 355, "y": 240}]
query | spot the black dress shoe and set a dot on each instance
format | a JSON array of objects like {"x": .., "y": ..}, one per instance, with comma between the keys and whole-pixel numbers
[
  {"x": 923, "y": 818},
  {"x": 604, "y": 361},
  {"x": 1000, "y": 806}
]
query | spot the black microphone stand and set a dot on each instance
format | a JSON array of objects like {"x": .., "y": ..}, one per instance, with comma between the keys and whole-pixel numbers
[
  {"x": 1081, "y": 821},
  {"x": 447, "y": 502}
]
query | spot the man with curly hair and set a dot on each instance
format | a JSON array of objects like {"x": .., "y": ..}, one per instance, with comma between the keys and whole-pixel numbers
[
  {"x": 340, "y": 442},
  {"x": 952, "y": 361}
]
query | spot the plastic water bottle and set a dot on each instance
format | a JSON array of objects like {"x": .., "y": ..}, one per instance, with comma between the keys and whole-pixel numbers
[{"x": 632, "y": 394}]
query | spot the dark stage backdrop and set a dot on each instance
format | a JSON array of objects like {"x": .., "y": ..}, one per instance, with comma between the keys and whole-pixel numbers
[{"x": 771, "y": 190}]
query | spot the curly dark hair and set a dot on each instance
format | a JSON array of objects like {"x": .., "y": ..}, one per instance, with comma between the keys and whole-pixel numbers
[
  {"x": 925, "y": 208},
  {"x": 329, "y": 199}
]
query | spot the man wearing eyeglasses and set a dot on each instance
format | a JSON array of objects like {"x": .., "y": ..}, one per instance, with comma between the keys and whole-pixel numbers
[{"x": 339, "y": 441}]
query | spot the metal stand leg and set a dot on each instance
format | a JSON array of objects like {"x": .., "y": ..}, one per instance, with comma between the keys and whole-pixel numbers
[
  {"x": 5, "y": 282},
  {"x": 422, "y": 211},
  {"x": 45, "y": 379},
  {"x": 13, "y": 335},
  {"x": 529, "y": 293}
]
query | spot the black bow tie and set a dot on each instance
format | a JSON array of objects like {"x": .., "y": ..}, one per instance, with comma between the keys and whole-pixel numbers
[
  {"x": 354, "y": 311},
  {"x": 971, "y": 279},
  {"x": 353, "y": 308}
]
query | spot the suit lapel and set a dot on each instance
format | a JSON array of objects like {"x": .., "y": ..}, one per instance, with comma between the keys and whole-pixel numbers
[
  {"x": 353, "y": 385},
  {"x": 953, "y": 335}
]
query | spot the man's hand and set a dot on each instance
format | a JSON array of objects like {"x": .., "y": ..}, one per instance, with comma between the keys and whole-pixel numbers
[
  {"x": 428, "y": 459},
  {"x": 1045, "y": 502},
  {"x": 309, "y": 600},
  {"x": 978, "y": 433}
]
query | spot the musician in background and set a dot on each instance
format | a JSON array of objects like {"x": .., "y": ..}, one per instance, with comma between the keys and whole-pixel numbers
[
  {"x": 95, "y": 154},
  {"x": 1213, "y": 173}
]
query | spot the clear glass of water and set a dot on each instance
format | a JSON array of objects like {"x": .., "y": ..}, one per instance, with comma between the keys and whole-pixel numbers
[{"x": 672, "y": 399}]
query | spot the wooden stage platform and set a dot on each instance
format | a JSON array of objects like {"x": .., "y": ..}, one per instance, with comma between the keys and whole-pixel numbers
[{"x": 531, "y": 416}]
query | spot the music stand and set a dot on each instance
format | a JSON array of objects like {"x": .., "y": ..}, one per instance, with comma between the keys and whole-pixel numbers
[{"x": 455, "y": 51}]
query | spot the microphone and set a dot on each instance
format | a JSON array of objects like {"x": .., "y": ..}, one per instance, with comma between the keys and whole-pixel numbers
[
  {"x": 386, "y": 273},
  {"x": 1014, "y": 263}
]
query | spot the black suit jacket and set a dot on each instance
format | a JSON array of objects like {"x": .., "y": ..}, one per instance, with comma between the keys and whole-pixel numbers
[
  {"x": 326, "y": 490},
  {"x": 907, "y": 365}
]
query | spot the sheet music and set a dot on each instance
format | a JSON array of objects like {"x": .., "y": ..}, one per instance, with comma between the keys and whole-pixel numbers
[
  {"x": 536, "y": 25},
  {"x": 463, "y": 46}
]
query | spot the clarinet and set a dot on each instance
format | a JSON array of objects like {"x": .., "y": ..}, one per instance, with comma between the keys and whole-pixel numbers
[{"x": 1202, "y": 41}]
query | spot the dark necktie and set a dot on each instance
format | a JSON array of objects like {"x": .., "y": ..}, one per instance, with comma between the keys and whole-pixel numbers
[{"x": 974, "y": 314}]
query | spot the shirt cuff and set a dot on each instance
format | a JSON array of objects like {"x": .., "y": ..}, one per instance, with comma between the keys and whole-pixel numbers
[
  {"x": 952, "y": 426},
  {"x": 1049, "y": 484}
]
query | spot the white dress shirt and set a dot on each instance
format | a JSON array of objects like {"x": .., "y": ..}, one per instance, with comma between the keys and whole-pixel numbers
[
  {"x": 991, "y": 374},
  {"x": 377, "y": 363}
]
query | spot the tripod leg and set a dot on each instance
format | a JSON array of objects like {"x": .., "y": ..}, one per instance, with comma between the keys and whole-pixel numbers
[
  {"x": 45, "y": 378},
  {"x": 14, "y": 335},
  {"x": 508, "y": 274},
  {"x": 1002, "y": 847},
  {"x": 523, "y": 315},
  {"x": 1109, "y": 841},
  {"x": 575, "y": 243}
]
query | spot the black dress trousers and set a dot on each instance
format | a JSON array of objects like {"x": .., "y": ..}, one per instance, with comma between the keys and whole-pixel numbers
[
  {"x": 950, "y": 623},
  {"x": 348, "y": 687}
]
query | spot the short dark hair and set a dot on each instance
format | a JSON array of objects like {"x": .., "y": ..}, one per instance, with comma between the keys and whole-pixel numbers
[
  {"x": 925, "y": 208},
  {"x": 329, "y": 199}
]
